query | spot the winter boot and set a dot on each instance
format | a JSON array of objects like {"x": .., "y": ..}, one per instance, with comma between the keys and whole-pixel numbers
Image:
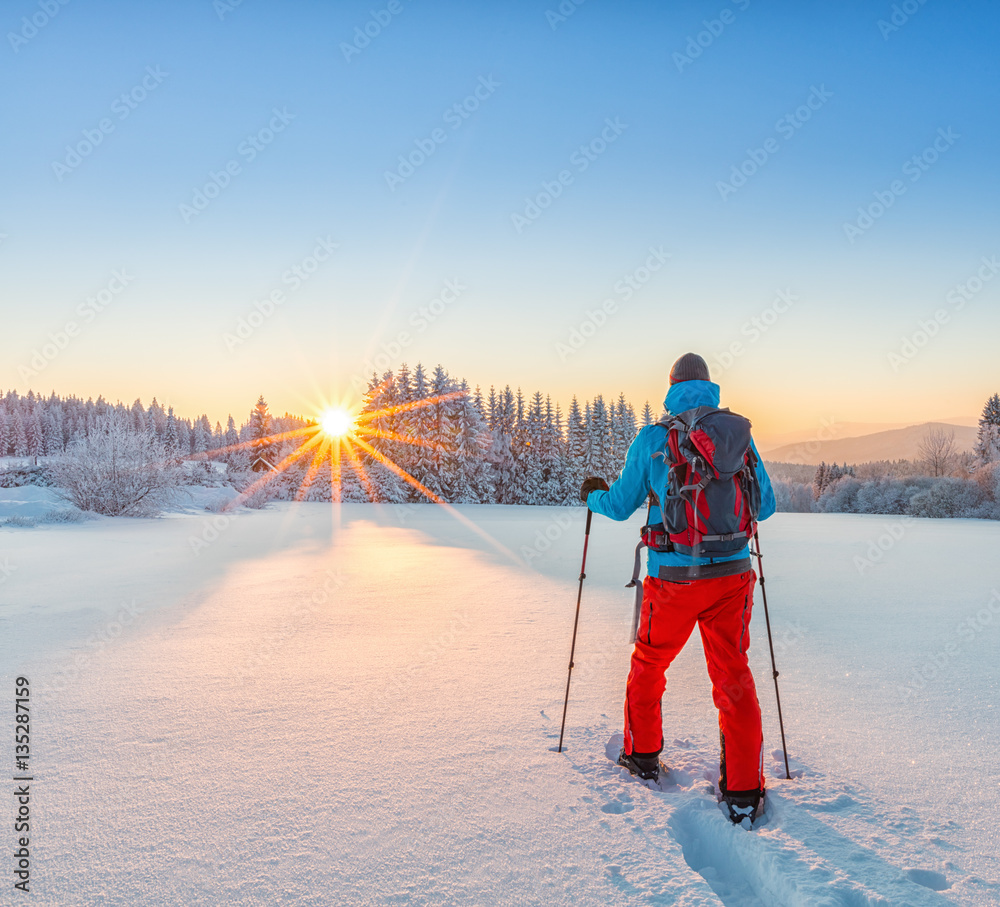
[
  {"x": 646, "y": 767},
  {"x": 742, "y": 805}
]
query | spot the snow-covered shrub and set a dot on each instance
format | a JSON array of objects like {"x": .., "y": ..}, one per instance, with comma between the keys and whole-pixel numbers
[
  {"x": 987, "y": 477},
  {"x": 252, "y": 494},
  {"x": 116, "y": 470},
  {"x": 204, "y": 473},
  {"x": 19, "y": 521},
  {"x": 885, "y": 496},
  {"x": 948, "y": 497},
  {"x": 840, "y": 497},
  {"x": 65, "y": 516},
  {"x": 792, "y": 497},
  {"x": 19, "y": 476}
]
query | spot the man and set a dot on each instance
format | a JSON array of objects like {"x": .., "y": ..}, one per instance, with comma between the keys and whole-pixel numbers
[{"x": 681, "y": 590}]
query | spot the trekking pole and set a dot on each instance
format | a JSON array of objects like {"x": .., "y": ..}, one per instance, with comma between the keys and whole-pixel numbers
[
  {"x": 576, "y": 621},
  {"x": 770, "y": 642}
]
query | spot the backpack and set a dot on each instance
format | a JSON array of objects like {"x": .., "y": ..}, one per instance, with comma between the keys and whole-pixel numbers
[{"x": 711, "y": 498}]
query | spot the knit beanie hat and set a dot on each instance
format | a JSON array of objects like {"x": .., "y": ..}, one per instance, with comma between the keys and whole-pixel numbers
[{"x": 690, "y": 367}]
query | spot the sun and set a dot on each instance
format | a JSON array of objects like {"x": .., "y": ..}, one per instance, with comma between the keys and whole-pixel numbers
[{"x": 336, "y": 422}]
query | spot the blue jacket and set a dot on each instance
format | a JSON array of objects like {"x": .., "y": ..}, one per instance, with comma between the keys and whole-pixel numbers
[{"x": 642, "y": 473}]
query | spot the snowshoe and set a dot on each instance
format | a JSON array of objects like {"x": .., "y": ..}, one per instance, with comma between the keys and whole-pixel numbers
[
  {"x": 646, "y": 767},
  {"x": 742, "y": 808}
]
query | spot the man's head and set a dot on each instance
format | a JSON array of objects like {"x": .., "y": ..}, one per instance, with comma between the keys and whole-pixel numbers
[{"x": 690, "y": 367}]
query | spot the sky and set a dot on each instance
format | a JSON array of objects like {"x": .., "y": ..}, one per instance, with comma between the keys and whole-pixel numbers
[{"x": 205, "y": 202}]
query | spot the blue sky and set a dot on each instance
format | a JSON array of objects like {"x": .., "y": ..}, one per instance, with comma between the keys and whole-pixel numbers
[{"x": 547, "y": 88}]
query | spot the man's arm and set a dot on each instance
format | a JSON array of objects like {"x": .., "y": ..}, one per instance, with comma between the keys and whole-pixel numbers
[
  {"x": 629, "y": 490},
  {"x": 767, "y": 503}
]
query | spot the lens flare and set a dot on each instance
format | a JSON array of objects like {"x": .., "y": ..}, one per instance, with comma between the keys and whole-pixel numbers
[{"x": 336, "y": 423}]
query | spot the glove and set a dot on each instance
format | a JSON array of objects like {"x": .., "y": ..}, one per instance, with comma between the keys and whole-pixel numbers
[{"x": 592, "y": 483}]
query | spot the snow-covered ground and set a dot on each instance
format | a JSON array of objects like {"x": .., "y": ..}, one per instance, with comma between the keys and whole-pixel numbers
[{"x": 360, "y": 705}]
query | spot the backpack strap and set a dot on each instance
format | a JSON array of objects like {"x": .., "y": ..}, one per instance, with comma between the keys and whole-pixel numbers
[{"x": 634, "y": 583}]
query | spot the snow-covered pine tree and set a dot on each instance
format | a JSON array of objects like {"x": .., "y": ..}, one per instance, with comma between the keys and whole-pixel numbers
[
  {"x": 493, "y": 410},
  {"x": 420, "y": 422},
  {"x": 597, "y": 439},
  {"x": 156, "y": 419},
  {"x": 531, "y": 451},
  {"x": 464, "y": 483},
  {"x": 553, "y": 454},
  {"x": 647, "y": 415},
  {"x": 623, "y": 434},
  {"x": 51, "y": 432},
  {"x": 33, "y": 433},
  {"x": 184, "y": 437},
  {"x": 138, "y": 413},
  {"x": 260, "y": 430},
  {"x": 576, "y": 452},
  {"x": 18, "y": 435},
  {"x": 501, "y": 456},
  {"x": 201, "y": 435},
  {"x": 170, "y": 435},
  {"x": 988, "y": 439}
]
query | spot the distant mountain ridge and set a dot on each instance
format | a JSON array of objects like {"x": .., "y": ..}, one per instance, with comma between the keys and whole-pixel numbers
[{"x": 893, "y": 444}]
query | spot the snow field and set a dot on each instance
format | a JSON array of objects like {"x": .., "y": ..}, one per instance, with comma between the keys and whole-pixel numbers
[{"x": 360, "y": 705}]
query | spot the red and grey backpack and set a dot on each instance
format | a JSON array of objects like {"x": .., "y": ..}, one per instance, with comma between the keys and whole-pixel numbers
[{"x": 711, "y": 498}]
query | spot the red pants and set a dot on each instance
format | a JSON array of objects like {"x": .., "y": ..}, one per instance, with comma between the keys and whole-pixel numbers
[{"x": 721, "y": 607}]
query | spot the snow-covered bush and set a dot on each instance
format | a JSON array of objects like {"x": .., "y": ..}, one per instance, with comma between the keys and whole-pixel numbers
[
  {"x": 987, "y": 477},
  {"x": 948, "y": 497},
  {"x": 253, "y": 492},
  {"x": 116, "y": 470},
  {"x": 792, "y": 497},
  {"x": 204, "y": 473},
  {"x": 19, "y": 476},
  {"x": 218, "y": 504},
  {"x": 840, "y": 497},
  {"x": 886, "y": 496},
  {"x": 53, "y": 516}
]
